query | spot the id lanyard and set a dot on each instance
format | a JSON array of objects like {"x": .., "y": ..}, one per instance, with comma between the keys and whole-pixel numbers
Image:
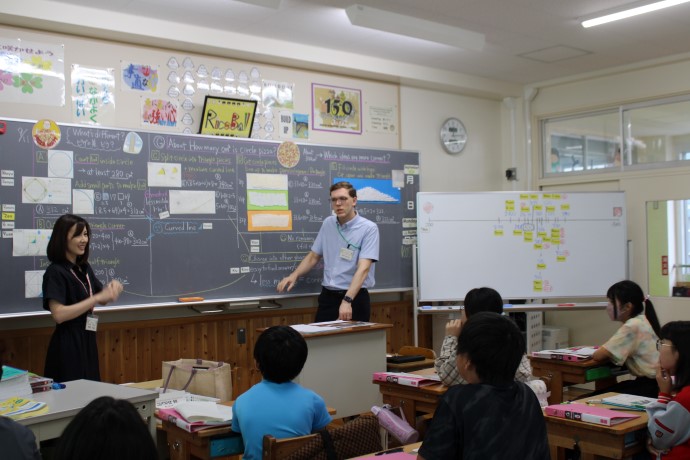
[
  {"x": 337, "y": 225},
  {"x": 89, "y": 291}
]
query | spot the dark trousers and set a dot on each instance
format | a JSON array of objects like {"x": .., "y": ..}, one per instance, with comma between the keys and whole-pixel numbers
[{"x": 329, "y": 305}]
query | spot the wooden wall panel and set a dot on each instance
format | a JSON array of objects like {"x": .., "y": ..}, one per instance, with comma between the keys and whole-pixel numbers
[{"x": 133, "y": 351}]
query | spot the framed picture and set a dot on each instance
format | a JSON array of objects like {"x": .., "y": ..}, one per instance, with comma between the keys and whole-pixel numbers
[
  {"x": 336, "y": 109},
  {"x": 224, "y": 116}
]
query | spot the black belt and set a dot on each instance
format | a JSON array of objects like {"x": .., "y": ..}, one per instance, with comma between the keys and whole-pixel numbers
[{"x": 340, "y": 292}]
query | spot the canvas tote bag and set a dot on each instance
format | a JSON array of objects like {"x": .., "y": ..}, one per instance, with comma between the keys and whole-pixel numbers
[{"x": 199, "y": 376}]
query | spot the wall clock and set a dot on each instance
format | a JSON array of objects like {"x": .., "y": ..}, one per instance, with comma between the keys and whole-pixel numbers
[{"x": 453, "y": 135}]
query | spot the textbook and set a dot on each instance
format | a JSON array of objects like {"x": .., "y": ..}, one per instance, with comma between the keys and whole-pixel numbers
[
  {"x": 404, "y": 378},
  {"x": 15, "y": 382},
  {"x": 628, "y": 401},
  {"x": 589, "y": 414},
  {"x": 204, "y": 411},
  {"x": 567, "y": 354},
  {"x": 173, "y": 416}
]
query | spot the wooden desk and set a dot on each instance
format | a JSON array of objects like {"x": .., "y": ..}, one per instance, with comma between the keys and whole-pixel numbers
[
  {"x": 426, "y": 363},
  {"x": 567, "y": 373},
  {"x": 340, "y": 365},
  {"x": 412, "y": 400},
  {"x": 66, "y": 403},
  {"x": 596, "y": 441},
  {"x": 407, "y": 448},
  {"x": 216, "y": 443}
]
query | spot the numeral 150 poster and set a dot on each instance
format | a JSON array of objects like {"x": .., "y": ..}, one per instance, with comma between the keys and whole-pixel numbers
[{"x": 336, "y": 109}]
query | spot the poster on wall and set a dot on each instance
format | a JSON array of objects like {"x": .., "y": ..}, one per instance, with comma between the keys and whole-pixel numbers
[
  {"x": 336, "y": 109},
  {"x": 158, "y": 113},
  {"x": 93, "y": 100},
  {"x": 32, "y": 72},
  {"x": 139, "y": 77},
  {"x": 224, "y": 116}
]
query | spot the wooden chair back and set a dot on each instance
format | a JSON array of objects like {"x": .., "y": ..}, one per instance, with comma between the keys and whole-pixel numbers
[
  {"x": 410, "y": 350},
  {"x": 275, "y": 449}
]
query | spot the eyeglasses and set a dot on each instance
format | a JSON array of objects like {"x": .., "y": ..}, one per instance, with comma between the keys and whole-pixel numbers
[
  {"x": 660, "y": 344},
  {"x": 341, "y": 199}
]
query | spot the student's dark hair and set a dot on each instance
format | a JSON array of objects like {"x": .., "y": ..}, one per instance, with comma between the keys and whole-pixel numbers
[
  {"x": 280, "y": 352},
  {"x": 554, "y": 151},
  {"x": 628, "y": 291},
  {"x": 494, "y": 345},
  {"x": 678, "y": 333},
  {"x": 106, "y": 429},
  {"x": 483, "y": 299},
  {"x": 346, "y": 185},
  {"x": 57, "y": 245}
]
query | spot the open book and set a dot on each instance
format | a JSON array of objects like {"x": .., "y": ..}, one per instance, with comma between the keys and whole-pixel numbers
[
  {"x": 628, "y": 401},
  {"x": 589, "y": 414},
  {"x": 404, "y": 378},
  {"x": 567, "y": 354}
]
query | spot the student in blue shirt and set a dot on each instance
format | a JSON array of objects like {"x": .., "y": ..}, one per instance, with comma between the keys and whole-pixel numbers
[
  {"x": 276, "y": 405},
  {"x": 349, "y": 245}
]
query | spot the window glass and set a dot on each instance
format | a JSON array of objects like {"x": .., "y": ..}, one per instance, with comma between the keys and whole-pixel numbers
[
  {"x": 581, "y": 143},
  {"x": 657, "y": 133}
]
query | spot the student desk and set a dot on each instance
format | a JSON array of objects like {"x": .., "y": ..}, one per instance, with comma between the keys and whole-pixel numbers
[
  {"x": 64, "y": 404},
  {"x": 340, "y": 365},
  {"x": 412, "y": 399},
  {"x": 569, "y": 372},
  {"x": 596, "y": 441},
  {"x": 210, "y": 443}
]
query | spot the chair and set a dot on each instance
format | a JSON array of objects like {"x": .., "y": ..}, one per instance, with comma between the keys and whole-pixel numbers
[
  {"x": 275, "y": 449},
  {"x": 407, "y": 350},
  {"x": 357, "y": 437}
]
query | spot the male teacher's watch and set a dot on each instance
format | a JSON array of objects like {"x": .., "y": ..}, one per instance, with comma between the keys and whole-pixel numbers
[{"x": 347, "y": 299}]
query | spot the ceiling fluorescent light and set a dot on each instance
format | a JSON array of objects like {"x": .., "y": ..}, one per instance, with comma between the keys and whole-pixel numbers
[
  {"x": 631, "y": 12},
  {"x": 275, "y": 4},
  {"x": 386, "y": 21}
]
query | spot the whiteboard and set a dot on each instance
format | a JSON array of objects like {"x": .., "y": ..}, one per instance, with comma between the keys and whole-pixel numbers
[{"x": 523, "y": 244}]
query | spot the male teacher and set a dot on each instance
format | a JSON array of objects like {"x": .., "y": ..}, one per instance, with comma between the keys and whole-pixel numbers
[{"x": 349, "y": 245}]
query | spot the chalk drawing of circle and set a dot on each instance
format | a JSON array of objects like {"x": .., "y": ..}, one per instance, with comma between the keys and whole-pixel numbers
[
  {"x": 159, "y": 142},
  {"x": 35, "y": 190},
  {"x": 158, "y": 228},
  {"x": 60, "y": 164},
  {"x": 244, "y": 258},
  {"x": 527, "y": 227},
  {"x": 428, "y": 207}
]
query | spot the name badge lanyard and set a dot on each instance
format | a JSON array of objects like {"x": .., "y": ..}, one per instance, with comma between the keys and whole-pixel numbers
[
  {"x": 89, "y": 291},
  {"x": 337, "y": 225}
]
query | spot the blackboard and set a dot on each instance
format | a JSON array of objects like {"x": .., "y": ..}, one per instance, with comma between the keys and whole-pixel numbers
[
  {"x": 188, "y": 215},
  {"x": 526, "y": 245}
]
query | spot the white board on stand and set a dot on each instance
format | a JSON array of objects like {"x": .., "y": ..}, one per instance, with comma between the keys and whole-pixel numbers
[{"x": 523, "y": 244}]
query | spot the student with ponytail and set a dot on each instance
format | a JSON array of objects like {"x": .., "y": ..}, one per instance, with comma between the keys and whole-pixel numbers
[{"x": 634, "y": 344}]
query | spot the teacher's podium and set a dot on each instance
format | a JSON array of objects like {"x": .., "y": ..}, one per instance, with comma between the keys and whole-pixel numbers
[{"x": 341, "y": 363}]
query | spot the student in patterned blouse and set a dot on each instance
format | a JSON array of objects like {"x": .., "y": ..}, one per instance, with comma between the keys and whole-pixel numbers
[
  {"x": 476, "y": 300},
  {"x": 634, "y": 343},
  {"x": 493, "y": 417}
]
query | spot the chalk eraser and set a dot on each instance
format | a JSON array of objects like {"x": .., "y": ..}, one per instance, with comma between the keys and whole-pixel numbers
[{"x": 190, "y": 299}]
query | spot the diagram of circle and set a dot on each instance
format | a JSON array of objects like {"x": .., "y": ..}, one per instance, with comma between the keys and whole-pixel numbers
[
  {"x": 35, "y": 190},
  {"x": 288, "y": 154},
  {"x": 60, "y": 164},
  {"x": 46, "y": 134}
]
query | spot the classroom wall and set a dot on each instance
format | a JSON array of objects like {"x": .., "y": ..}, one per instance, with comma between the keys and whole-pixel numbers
[
  {"x": 653, "y": 80},
  {"x": 420, "y": 112}
]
